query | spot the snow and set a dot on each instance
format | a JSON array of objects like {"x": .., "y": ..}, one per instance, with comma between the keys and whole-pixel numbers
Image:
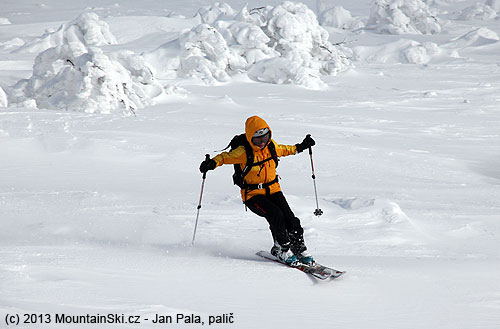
[
  {"x": 478, "y": 11},
  {"x": 106, "y": 111},
  {"x": 494, "y": 4},
  {"x": 4, "y": 21},
  {"x": 404, "y": 51},
  {"x": 340, "y": 18},
  {"x": 281, "y": 44},
  {"x": 403, "y": 16},
  {"x": 3, "y": 98},
  {"x": 476, "y": 38},
  {"x": 86, "y": 29},
  {"x": 71, "y": 72}
]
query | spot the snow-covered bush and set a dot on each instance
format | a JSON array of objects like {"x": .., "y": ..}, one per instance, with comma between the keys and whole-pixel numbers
[
  {"x": 291, "y": 24},
  {"x": 280, "y": 70},
  {"x": 206, "y": 55},
  {"x": 340, "y": 18},
  {"x": 295, "y": 33},
  {"x": 87, "y": 29},
  {"x": 479, "y": 11},
  {"x": 330, "y": 14},
  {"x": 403, "y": 16},
  {"x": 247, "y": 40},
  {"x": 79, "y": 77},
  {"x": 230, "y": 42},
  {"x": 89, "y": 81},
  {"x": 216, "y": 12},
  {"x": 214, "y": 52}
]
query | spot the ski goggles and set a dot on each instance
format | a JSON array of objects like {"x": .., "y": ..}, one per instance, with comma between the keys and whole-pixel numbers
[{"x": 261, "y": 139}]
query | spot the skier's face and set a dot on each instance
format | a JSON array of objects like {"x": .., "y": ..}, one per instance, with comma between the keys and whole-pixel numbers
[{"x": 261, "y": 141}]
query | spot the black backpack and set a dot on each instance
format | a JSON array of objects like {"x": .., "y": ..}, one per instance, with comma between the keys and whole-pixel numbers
[{"x": 239, "y": 174}]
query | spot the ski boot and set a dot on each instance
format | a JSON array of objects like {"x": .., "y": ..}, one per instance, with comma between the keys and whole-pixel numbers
[
  {"x": 284, "y": 254},
  {"x": 299, "y": 248},
  {"x": 305, "y": 258}
]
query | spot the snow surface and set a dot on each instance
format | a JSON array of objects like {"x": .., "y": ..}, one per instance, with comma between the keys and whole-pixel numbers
[{"x": 107, "y": 109}]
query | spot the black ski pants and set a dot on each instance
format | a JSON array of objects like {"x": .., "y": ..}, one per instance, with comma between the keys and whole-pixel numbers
[{"x": 275, "y": 209}]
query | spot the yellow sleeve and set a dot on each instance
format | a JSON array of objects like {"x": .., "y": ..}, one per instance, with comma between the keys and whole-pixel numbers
[
  {"x": 285, "y": 150},
  {"x": 238, "y": 155}
]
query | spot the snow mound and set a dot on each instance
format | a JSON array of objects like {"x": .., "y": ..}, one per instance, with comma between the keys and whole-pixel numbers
[
  {"x": 340, "y": 18},
  {"x": 391, "y": 212},
  {"x": 282, "y": 71},
  {"x": 476, "y": 38},
  {"x": 403, "y": 16},
  {"x": 403, "y": 51},
  {"x": 381, "y": 223},
  {"x": 387, "y": 211},
  {"x": 353, "y": 203},
  {"x": 228, "y": 42},
  {"x": 479, "y": 11},
  {"x": 77, "y": 77},
  {"x": 11, "y": 44},
  {"x": 86, "y": 29}
]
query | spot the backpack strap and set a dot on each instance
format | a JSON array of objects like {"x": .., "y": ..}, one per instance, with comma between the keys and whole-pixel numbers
[
  {"x": 274, "y": 155},
  {"x": 249, "y": 164},
  {"x": 239, "y": 174},
  {"x": 261, "y": 186}
]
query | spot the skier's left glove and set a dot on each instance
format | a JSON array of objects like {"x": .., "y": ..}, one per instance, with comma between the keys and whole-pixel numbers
[
  {"x": 207, "y": 165},
  {"x": 306, "y": 143}
]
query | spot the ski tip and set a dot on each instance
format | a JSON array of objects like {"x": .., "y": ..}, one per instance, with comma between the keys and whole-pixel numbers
[{"x": 338, "y": 274}]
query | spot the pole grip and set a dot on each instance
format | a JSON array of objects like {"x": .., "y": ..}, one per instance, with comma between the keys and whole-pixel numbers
[
  {"x": 310, "y": 147},
  {"x": 207, "y": 157}
]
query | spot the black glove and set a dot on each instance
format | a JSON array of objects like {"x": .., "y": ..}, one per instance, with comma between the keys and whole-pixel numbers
[
  {"x": 207, "y": 165},
  {"x": 306, "y": 143}
]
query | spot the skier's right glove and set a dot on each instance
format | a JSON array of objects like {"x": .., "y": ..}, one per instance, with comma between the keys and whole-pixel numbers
[{"x": 207, "y": 165}]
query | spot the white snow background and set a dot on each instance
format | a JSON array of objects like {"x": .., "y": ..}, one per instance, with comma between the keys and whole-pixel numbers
[{"x": 107, "y": 109}]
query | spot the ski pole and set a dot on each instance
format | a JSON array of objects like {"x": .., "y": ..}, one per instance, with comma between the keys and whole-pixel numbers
[
  {"x": 207, "y": 157},
  {"x": 318, "y": 212}
]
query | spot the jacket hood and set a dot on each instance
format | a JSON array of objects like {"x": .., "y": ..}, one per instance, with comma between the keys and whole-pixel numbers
[{"x": 252, "y": 125}]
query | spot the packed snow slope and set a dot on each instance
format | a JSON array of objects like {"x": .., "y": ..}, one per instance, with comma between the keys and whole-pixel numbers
[{"x": 107, "y": 109}]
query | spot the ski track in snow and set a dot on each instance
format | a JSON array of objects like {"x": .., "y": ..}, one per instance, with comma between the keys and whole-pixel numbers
[{"x": 98, "y": 210}]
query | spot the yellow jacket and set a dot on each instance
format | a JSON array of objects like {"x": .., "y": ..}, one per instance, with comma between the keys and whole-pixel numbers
[{"x": 258, "y": 174}]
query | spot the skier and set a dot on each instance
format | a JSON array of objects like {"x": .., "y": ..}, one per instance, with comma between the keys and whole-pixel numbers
[{"x": 260, "y": 189}]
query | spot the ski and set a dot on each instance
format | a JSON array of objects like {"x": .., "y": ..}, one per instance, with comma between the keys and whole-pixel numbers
[{"x": 318, "y": 271}]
